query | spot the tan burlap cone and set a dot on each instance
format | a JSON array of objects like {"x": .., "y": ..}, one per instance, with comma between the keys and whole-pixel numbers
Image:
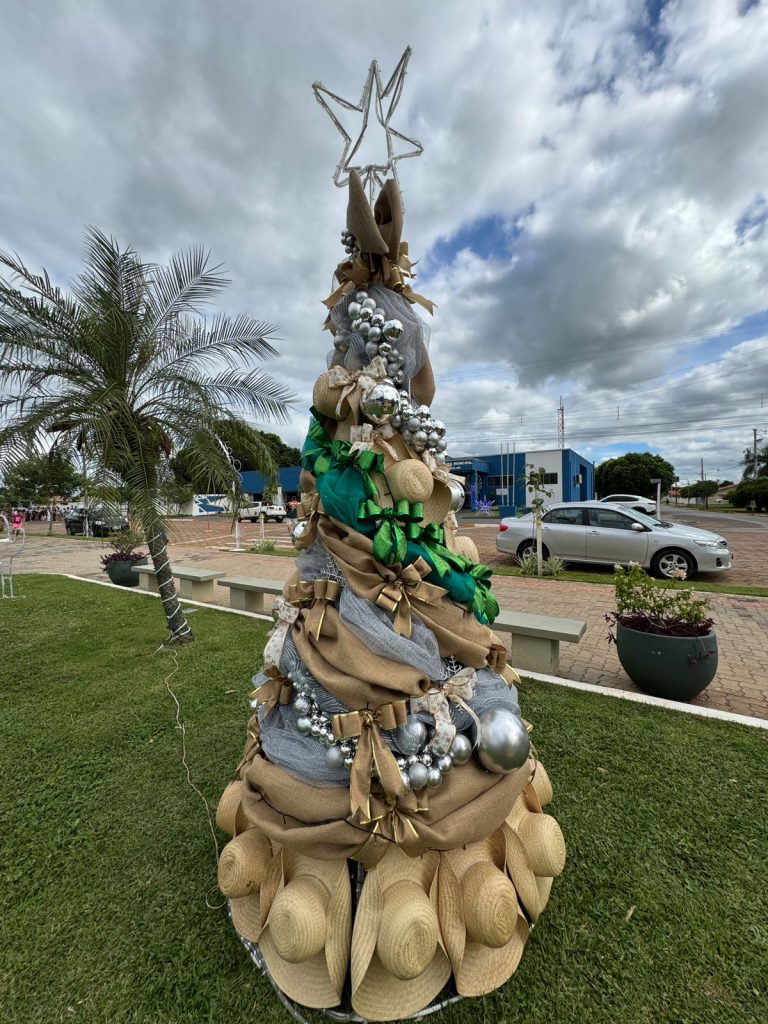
[{"x": 398, "y": 962}]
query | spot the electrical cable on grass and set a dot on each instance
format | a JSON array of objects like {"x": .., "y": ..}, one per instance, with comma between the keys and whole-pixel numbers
[{"x": 181, "y": 726}]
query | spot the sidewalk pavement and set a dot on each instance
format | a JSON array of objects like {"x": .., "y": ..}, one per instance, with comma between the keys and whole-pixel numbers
[{"x": 740, "y": 686}]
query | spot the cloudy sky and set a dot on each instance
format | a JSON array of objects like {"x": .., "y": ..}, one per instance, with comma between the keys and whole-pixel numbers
[{"x": 590, "y": 212}]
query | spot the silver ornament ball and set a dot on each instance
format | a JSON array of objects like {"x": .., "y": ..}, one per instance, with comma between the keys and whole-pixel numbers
[
  {"x": 457, "y": 495},
  {"x": 363, "y": 328},
  {"x": 419, "y": 775},
  {"x": 441, "y": 445},
  {"x": 503, "y": 743},
  {"x": 368, "y": 303},
  {"x": 334, "y": 758},
  {"x": 445, "y": 763},
  {"x": 385, "y": 348},
  {"x": 374, "y": 333},
  {"x": 419, "y": 437},
  {"x": 365, "y": 312},
  {"x": 380, "y": 402},
  {"x": 361, "y": 297},
  {"x": 301, "y": 705},
  {"x": 412, "y": 736},
  {"x": 353, "y": 310},
  {"x": 392, "y": 330},
  {"x": 377, "y": 319},
  {"x": 396, "y": 421},
  {"x": 406, "y": 781},
  {"x": 434, "y": 777},
  {"x": 461, "y": 749},
  {"x": 414, "y": 424},
  {"x": 371, "y": 348},
  {"x": 303, "y": 725}
]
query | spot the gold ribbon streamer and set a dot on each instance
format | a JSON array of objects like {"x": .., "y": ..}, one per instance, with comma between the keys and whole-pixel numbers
[
  {"x": 371, "y": 750},
  {"x": 396, "y": 595},
  {"x": 317, "y": 592},
  {"x": 309, "y": 509},
  {"x": 396, "y": 820},
  {"x": 277, "y": 690},
  {"x": 369, "y": 268}
]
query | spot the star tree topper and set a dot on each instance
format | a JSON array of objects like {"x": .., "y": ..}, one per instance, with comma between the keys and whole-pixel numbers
[{"x": 387, "y": 99}]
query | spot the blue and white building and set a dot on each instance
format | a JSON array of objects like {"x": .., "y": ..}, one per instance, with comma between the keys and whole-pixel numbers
[{"x": 501, "y": 478}]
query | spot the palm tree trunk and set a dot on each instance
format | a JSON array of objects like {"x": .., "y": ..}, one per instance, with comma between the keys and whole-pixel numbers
[{"x": 158, "y": 550}]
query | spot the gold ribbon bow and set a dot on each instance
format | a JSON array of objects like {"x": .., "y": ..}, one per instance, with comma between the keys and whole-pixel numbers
[
  {"x": 371, "y": 750},
  {"x": 396, "y": 595},
  {"x": 459, "y": 689},
  {"x": 309, "y": 509},
  {"x": 317, "y": 593},
  {"x": 277, "y": 690},
  {"x": 353, "y": 383},
  {"x": 371, "y": 268},
  {"x": 396, "y": 821}
]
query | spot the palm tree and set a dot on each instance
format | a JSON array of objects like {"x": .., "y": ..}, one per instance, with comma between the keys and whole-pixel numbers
[
  {"x": 748, "y": 462},
  {"x": 125, "y": 369}
]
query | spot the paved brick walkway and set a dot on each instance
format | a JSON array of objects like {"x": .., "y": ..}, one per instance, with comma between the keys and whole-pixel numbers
[{"x": 741, "y": 684}]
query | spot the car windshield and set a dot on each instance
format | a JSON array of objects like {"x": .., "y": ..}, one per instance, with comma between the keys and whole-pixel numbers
[{"x": 647, "y": 520}]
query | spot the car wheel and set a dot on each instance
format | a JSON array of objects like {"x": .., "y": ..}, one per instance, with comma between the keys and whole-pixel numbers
[
  {"x": 253, "y": 519},
  {"x": 528, "y": 547},
  {"x": 665, "y": 563}
]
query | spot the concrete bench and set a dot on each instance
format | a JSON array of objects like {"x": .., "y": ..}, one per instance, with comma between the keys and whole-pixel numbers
[
  {"x": 247, "y": 593},
  {"x": 537, "y": 639},
  {"x": 195, "y": 584},
  {"x": 147, "y": 580}
]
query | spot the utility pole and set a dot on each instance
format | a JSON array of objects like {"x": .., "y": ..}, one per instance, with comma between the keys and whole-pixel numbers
[
  {"x": 561, "y": 425},
  {"x": 754, "y": 452},
  {"x": 702, "y": 469}
]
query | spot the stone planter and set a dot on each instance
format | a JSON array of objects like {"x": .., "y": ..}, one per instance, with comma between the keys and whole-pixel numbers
[
  {"x": 120, "y": 572},
  {"x": 674, "y": 667}
]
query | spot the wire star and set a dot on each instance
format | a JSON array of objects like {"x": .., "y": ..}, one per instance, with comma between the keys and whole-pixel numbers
[{"x": 387, "y": 99}]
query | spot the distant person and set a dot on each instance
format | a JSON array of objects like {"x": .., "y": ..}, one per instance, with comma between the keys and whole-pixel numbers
[{"x": 17, "y": 521}]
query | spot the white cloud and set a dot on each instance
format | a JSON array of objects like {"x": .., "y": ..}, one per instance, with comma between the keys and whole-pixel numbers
[{"x": 636, "y": 175}]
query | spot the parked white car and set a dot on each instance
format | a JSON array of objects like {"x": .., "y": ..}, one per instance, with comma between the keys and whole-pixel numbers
[
  {"x": 593, "y": 531},
  {"x": 647, "y": 505},
  {"x": 271, "y": 513}
]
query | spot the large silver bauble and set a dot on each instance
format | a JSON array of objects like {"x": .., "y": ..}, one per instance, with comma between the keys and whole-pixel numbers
[
  {"x": 372, "y": 348},
  {"x": 434, "y": 777},
  {"x": 392, "y": 330},
  {"x": 457, "y": 495},
  {"x": 380, "y": 402},
  {"x": 368, "y": 303},
  {"x": 374, "y": 333},
  {"x": 412, "y": 736},
  {"x": 461, "y": 749},
  {"x": 445, "y": 763},
  {"x": 334, "y": 756},
  {"x": 353, "y": 310},
  {"x": 419, "y": 775},
  {"x": 303, "y": 725},
  {"x": 503, "y": 743}
]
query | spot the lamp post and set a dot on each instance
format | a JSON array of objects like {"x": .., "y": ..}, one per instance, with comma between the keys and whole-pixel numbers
[{"x": 657, "y": 480}]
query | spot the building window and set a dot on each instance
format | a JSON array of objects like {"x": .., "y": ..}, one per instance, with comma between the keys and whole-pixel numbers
[{"x": 550, "y": 478}]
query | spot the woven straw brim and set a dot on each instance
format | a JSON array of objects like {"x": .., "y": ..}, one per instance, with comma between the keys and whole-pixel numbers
[
  {"x": 246, "y": 916},
  {"x": 410, "y": 480},
  {"x": 226, "y": 810},
  {"x": 544, "y": 843},
  {"x": 242, "y": 863},
  {"x": 465, "y": 547},
  {"x": 522, "y": 876},
  {"x": 325, "y": 399},
  {"x": 483, "y": 969},
  {"x": 538, "y": 793},
  {"x": 379, "y": 995},
  {"x": 438, "y": 504},
  {"x": 318, "y": 981},
  {"x": 544, "y": 885}
]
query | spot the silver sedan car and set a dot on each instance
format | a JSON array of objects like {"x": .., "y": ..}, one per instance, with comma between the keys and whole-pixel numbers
[{"x": 593, "y": 531}]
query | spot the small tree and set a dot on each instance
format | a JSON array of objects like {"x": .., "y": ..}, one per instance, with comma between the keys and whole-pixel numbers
[
  {"x": 125, "y": 369},
  {"x": 632, "y": 474},
  {"x": 534, "y": 483},
  {"x": 701, "y": 489},
  {"x": 41, "y": 479}
]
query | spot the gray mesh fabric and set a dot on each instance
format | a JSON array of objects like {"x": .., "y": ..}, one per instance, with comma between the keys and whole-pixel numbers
[{"x": 412, "y": 344}]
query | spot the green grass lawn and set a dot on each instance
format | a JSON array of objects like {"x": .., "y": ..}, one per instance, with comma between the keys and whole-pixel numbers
[{"x": 661, "y": 915}]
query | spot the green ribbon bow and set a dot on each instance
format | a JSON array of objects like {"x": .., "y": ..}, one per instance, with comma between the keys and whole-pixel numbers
[
  {"x": 484, "y": 604},
  {"x": 320, "y": 454},
  {"x": 394, "y": 528}
]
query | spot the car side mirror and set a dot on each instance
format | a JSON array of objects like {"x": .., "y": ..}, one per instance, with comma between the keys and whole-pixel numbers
[{"x": 638, "y": 527}]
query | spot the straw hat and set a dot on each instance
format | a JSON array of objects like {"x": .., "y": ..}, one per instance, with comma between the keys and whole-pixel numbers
[
  {"x": 243, "y": 862},
  {"x": 410, "y": 480},
  {"x": 227, "y": 808},
  {"x": 398, "y": 961},
  {"x": 307, "y": 927},
  {"x": 483, "y": 926},
  {"x": 464, "y": 546},
  {"x": 538, "y": 793},
  {"x": 541, "y": 837},
  {"x": 325, "y": 399}
]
